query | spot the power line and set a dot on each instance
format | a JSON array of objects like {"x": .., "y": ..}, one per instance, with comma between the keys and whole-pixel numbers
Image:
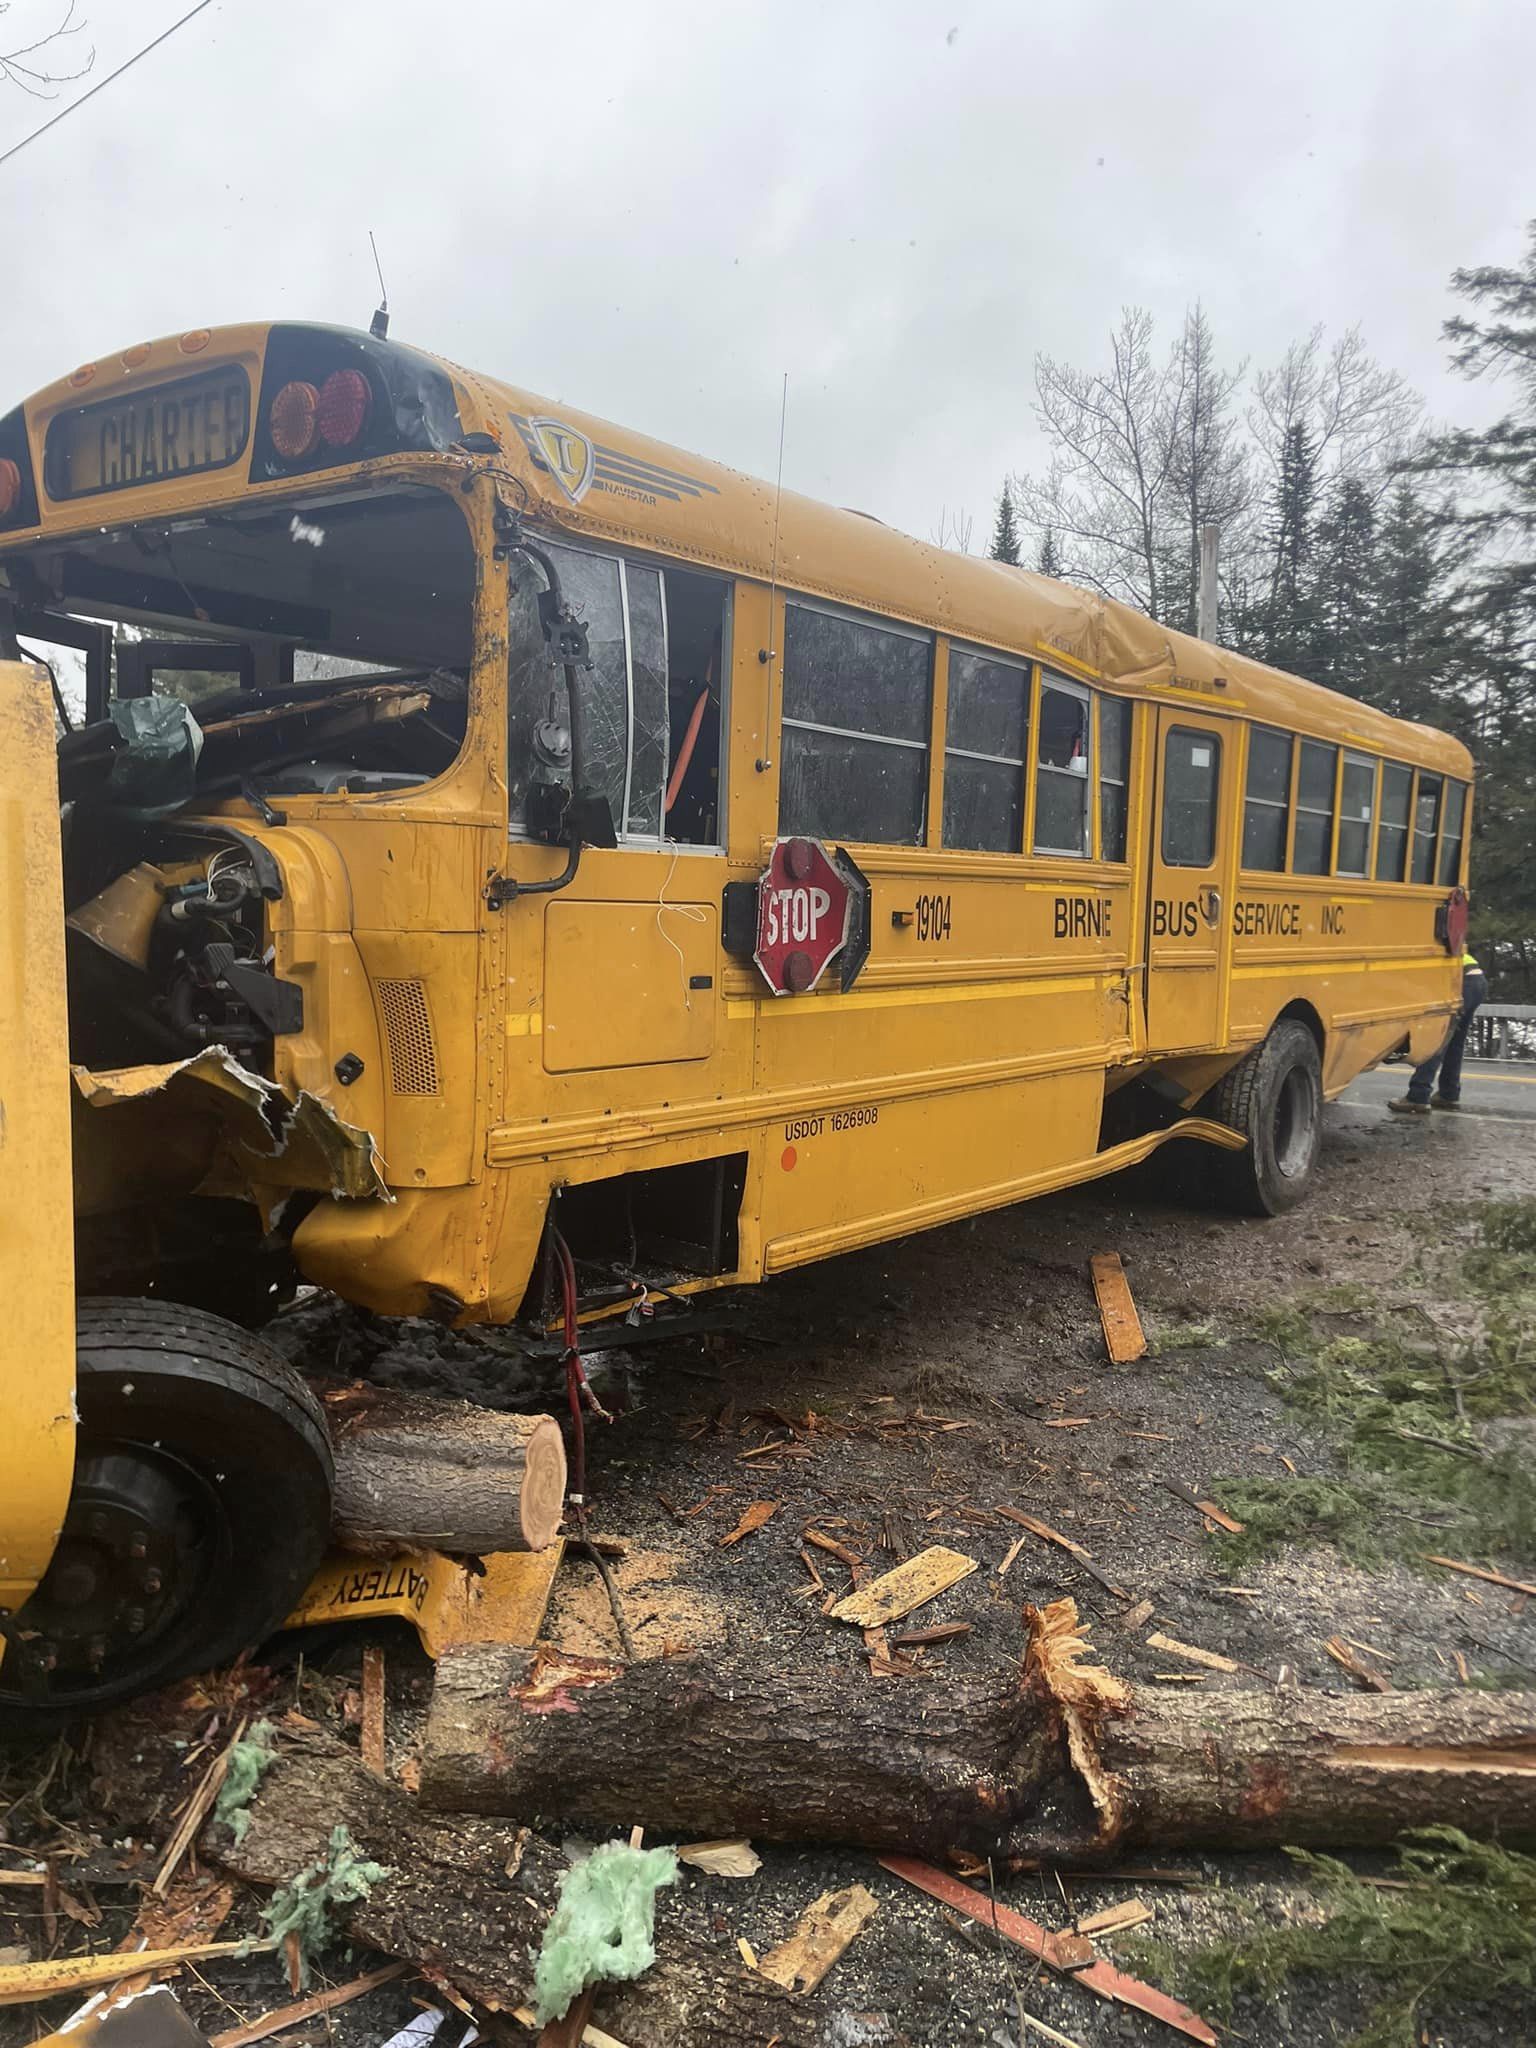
[{"x": 101, "y": 86}]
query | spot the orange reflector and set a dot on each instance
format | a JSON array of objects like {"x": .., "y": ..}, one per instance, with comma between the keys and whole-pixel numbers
[
  {"x": 292, "y": 420},
  {"x": 345, "y": 400},
  {"x": 135, "y": 356},
  {"x": 83, "y": 375},
  {"x": 193, "y": 343},
  {"x": 10, "y": 487}
]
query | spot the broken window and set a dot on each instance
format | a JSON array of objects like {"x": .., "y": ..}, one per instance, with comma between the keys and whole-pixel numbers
[
  {"x": 986, "y": 741},
  {"x": 855, "y": 728},
  {"x": 651, "y": 701}
]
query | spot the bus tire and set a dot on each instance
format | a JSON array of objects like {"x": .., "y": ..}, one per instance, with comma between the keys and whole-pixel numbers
[
  {"x": 201, "y": 1506},
  {"x": 1274, "y": 1096}
]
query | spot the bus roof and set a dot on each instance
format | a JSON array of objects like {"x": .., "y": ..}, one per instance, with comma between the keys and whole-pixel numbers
[{"x": 591, "y": 477}]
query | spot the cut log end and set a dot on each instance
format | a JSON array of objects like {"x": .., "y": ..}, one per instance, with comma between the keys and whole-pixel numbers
[{"x": 544, "y": 1479}]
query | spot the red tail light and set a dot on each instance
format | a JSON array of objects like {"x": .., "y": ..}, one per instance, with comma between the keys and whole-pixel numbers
[
  {"x": 10, "y": 486},
  {"x": 345, "y": 401},
  {"x": 293, "y": 421}
]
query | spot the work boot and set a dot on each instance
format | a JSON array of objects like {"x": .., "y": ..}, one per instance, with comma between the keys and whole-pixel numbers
[
  {"x": 1406, "y": 1106},
  {"x": 1445, "y": 1102}
]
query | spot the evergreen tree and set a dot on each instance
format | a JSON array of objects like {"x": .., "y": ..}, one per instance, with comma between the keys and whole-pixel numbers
[
  {"x": 1417, "y": 659},
  {"x": 1290, "y": 630},
  {"x": 1005, "y": 534},
  {"x": 1498, "y": 338},
  {"x": 1048, "y": 560},
  {"x": 1346, "y": 589}
]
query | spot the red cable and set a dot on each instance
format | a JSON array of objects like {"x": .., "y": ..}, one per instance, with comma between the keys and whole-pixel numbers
[{"x": 685, "y": 752}]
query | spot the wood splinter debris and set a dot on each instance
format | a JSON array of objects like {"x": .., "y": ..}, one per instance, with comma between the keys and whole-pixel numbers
[
  {"x": 752, "y": 1518},
  {"x": 1208, "y": 1508},
  {"x": 823, "y": 1931},
  {"x": 1116, "y": 1919},
  {"x": 1190, "y": 1652},
  {"x": 1124, "y": 1338},
  {"x": 911, "y": 1584},
  {"x": 1477, "y": 1571},
  {"x": 1049, "y": 1535},
  {"x": 1341, "y": 1654},
  {"x": 307, "y": 2008}
]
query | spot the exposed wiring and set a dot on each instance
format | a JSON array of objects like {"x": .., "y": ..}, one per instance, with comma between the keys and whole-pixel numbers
[
  {"x": 685, "y": 751},
  {"x": 578, "y": 1389},
  {"x": 694, "y": 912}
]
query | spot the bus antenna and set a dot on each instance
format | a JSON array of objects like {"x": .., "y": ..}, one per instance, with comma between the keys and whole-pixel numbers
[
  {"x": 765, "y": 654},
  {"x": 378, "y": 326}
]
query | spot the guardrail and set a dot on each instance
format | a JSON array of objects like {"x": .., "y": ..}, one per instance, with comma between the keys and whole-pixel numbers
[{"x": 1504, "y": 1031}]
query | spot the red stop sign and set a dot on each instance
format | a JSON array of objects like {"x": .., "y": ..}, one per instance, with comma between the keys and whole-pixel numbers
[{"x": 804, "y": 913}]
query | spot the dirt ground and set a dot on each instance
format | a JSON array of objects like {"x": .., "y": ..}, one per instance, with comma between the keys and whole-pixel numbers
[{"x": 897, "y": 1398}]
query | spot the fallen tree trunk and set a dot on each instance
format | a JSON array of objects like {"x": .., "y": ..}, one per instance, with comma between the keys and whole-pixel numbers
[
  {"x": 1049, "y": 1760},
  {"x": 418, "y": 1473},
  {"x": 466, "y": 1901}
]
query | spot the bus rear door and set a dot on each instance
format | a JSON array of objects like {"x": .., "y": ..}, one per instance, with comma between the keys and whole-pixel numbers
[{"x": 1191, "y": 863}]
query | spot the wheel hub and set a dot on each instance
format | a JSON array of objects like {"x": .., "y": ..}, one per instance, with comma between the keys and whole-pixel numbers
[{"x": 126, "y": 1563}]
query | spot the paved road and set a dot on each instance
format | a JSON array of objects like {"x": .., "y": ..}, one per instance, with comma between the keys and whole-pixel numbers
[{"x": 1489, "y": 1088}]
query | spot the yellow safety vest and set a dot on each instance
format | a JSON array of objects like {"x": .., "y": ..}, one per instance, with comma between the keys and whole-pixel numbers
[{"x": 1467, "y": 963}]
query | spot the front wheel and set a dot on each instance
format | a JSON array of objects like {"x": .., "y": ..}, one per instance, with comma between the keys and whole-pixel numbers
[
  {"x": 201, "y": 1505},
  {"x": 1274, "y": 1096}
]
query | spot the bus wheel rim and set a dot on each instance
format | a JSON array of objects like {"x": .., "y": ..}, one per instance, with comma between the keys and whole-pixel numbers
[{"x": 1295, "y": 1123}]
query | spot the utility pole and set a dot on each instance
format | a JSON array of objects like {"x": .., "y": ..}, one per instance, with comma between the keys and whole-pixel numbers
[{"x": 1205, "y": 607}]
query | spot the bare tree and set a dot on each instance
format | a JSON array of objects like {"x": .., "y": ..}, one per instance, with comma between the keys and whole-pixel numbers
[
  {"x": 1209, "y": 474},
  {"x": 31, "y": 65},
  {"x": 1105, "y": 494},
  {"x": 1359, "y": 416},
  {"x": 953, "y": 531}
]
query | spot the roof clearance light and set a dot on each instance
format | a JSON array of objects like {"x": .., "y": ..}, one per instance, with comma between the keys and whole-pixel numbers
[
  {"x": 291, "y": 420},
  {"x": 346, "y": 398},
  {"x": 10, "y": 487}
]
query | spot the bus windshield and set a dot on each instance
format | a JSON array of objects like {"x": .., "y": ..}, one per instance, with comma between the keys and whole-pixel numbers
[{"x": 322, "y": 645}]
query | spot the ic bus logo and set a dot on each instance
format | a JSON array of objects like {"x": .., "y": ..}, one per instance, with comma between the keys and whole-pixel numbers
[{"x": 568, "y": 455}]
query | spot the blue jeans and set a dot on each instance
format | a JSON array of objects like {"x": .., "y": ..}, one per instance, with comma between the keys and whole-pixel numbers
[{"x": 1447, "y": 1063}]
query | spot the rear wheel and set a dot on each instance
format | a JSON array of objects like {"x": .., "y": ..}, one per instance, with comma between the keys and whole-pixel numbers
[
  {"x": 1274, "y": 1096},
  {"x": 201, "y": 1505}
]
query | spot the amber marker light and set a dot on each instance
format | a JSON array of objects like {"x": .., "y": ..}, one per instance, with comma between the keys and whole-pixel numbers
[
  {"x": 293, "y": 420},
  {"x": 136, "y": 357},
  {"x": 83, "y": 376},
  {"x": 193, "y": 343}
]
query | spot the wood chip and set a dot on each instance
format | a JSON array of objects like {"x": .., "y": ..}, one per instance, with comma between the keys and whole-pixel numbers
[
  {"x": 591, "y": 2037},
  {"x": 1013, "y": 1550},
  {"x": 822, "y": 1933},
  {"x": 1205, "y": 1507},
  {"x": 373, "y": 1711},
  {"x": 1477, "y": 1571},
  {"x": 1049, "y": 1535},
  {"x": 833, "y": 1549},
  {"x": 722, "y": 1859},
  {"x": 746, "y": 1951},
  {"x": 196, "y": 1811},
  {"x": 1461, "y": 1667},
  {"x": 910, "y": 1584},
  {"x": 1101, "y": 1977},
  {"x": 1043, "y": 2029},
  {"x": 753, "y": 1518},
  {"x": 1116, "y": 1919},
  {"x": 941, "y": 1632},
  {"x": 1138, "y": 1617},
  {"x": 307, "y": 2008},
  {"x": 1124, "y": 1338},
  {"x": 1190, "y": 1652},
  {"x": 1341, "y": 1654}
]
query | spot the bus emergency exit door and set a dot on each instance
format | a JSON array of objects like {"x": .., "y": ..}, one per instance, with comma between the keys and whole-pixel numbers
[{"x": 1192, "y": 865}]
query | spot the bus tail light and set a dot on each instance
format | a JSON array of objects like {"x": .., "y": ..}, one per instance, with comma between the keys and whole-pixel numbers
[
  {"x": 346, "y": 398},
  {"x": 293, "y": 420},
  {"x": 10, "y": 486}
]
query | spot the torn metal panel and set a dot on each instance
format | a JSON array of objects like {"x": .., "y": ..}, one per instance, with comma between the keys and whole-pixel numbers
[{"x": 266, "y": 1142}]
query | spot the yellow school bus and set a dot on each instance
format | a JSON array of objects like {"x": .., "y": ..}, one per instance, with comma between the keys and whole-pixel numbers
[{"x": 514, "y": 868}]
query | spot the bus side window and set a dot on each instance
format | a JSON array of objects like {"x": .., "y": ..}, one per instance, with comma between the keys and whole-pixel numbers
[
  {"x": 1191, "y": 778},
  {"x": 1357, "y": 801},
  {"x": 1426, "y": 823},
  {"x": 1314, "y": 808},
  {"x": 986, "y": 741},
  {"x": 1267, "y": 800},
  {"x": 1114, "y": 773},
  {"x": 1392, "y": 837},
  {"x": 1450, "y": 837},
  {"x": 1062, "y": 777},
  {"x": 854, "y": 753}
]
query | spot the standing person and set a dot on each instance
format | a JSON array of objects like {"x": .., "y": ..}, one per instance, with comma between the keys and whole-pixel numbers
[{"x": 1423, "y": 1095}]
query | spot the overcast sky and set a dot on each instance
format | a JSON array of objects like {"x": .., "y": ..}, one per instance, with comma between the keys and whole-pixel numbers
[{"x": 655, "y": 210}]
